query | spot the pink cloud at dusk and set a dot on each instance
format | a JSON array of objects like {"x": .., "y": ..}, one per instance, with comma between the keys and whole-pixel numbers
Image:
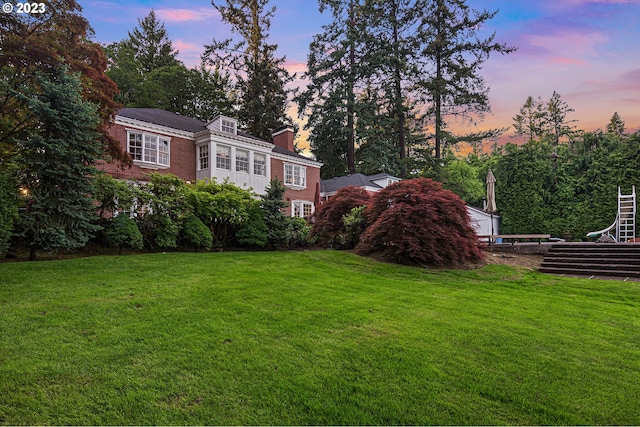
[
  {"x": 183, "y": 15},
  {"x": 569, "y": 61}
]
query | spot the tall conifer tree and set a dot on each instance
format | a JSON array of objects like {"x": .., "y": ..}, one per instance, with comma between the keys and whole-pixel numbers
[
  {"x": 57, "y": 162},
  {"x": 260, "y": 76},
  {"x": 453, "y": 56}
]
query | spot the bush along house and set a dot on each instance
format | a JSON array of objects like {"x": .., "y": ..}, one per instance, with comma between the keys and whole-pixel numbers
[{"x": 165, "y": 142}]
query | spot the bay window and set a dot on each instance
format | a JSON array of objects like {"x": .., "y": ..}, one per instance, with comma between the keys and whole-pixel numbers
[
  {"x": 148, "y": 149},
  {"x": 295, "y": 175}
]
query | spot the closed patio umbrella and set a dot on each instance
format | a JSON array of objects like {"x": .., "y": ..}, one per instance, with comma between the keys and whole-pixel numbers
[
  {"x": 491, "y": 192},
  {"x": 491, "y": 196}
]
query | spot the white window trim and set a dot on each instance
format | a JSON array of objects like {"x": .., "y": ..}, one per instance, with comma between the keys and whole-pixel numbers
[
  {"x": 228, "y": 126},
  {"x": 147, "y": 164},
  {"x": 246, "y": 162},
  {"x": 264, "y": 165},
  {"x": 228, "y": 147},
  {"x": 303, "y": 176},
  {"x": 300, "y": 204},
  {"x": 201, "y": 157}
]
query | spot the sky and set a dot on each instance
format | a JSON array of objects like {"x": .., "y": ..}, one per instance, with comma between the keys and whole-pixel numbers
[{"x": 586, "y": 50}]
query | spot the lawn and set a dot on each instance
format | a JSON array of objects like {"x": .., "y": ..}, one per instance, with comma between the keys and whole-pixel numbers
[{"x": 317, "y": 337}]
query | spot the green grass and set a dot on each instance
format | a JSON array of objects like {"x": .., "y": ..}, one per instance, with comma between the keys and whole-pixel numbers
[{"x": 318, "y": 337}]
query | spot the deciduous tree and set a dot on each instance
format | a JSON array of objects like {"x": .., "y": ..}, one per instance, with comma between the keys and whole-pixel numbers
[
  {"x": 328, "y": 223},
  {"x": 416, "y": 221},
  {"x": 37, "y": 44}
]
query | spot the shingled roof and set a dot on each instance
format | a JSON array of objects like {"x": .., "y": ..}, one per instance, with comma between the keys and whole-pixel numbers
[
  {"x": 163, "y": 118},
  {"x": 171, "y": 120},
  {"x": 356, "y": 179}
]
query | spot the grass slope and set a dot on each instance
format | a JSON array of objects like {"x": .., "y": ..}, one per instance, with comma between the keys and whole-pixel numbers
[{"x": 319, "y": 337}]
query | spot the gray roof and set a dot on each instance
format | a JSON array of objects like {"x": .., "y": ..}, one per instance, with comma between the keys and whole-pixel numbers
[
  {"x": 380, "y": 175},
  {"x": 290, "y": 153},
  {"x": 356, "y": 179},
  {"x": 164, "y": 118},
  {"x": 161, "y": 117}
]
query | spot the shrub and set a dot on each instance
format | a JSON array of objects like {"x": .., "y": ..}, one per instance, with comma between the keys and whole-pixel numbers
[
  {"x": 196, "y": 234},
  {"x": 354, "y": 225},
  {"x": 329, "y": 227},
  {"x": 253, "y": 233},
  {"x": 300, "y": 231},
  {"x": 417, "y": 221},
  {"x": 278, "y": 226},
  {"x": 159, "y": 230},
  {"x": 122, "y": 232},
  {"x": 8, "y": 212},
  {"x": 224, "y": 208}
]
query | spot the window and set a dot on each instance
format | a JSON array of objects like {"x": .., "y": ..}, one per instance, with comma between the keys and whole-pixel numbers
[
  {"x": 295, "y": 175},
  {"x": 260, "y": 164},
  {"x": 228, "y": 126},
  {"x": 203, "y": 157},
  {"x": 135, "y": 146},
  {"x": 223, "y": 157},
  {"x": 150, "y": 149},
  {"x": 301, "y": 208},
  {"x": 242, "y": 161}
]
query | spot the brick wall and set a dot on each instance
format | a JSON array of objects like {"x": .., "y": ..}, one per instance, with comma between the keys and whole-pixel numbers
[
  {"x": 182, "y": 158},
  {"x": 308, "y": 193}
]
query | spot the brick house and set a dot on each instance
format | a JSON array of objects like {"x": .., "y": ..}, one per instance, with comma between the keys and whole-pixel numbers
[{"x": 165, "y": 142}]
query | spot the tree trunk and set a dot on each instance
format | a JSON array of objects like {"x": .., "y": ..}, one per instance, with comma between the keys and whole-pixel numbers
[
  {"x": 351, "y": 161},
  {"x": 398, "y": 92}
]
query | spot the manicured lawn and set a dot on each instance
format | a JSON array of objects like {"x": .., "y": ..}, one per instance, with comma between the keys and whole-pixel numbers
[{"x": 318, "y": 337}]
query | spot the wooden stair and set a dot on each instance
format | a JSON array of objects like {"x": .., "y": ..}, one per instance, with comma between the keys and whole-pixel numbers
[{"x": 594, "y": 260}]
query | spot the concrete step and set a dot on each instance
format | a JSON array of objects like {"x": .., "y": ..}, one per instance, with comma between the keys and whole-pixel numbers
[
  {"x": 591, "y": 266},
  {"x": 590, "y": 273},
  {"x": 594, "y": 260}
]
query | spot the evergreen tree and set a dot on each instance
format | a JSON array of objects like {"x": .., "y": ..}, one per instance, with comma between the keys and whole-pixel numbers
[
  {"x": 278, "y": 226},
  {"x": 8, "y": 211},
  {"x": 260, "y": 76},
  {"x": 57, "y": 162},
  {"x": 150, "y": 44},
  {"x": 616, "y": 125},
  {"x": 539, "y": 120},
  {"x": 530, "y": 120},
  {"x": 37, "y": 44},
  {"x": 557, "y": 124},
  {"x": 454, "y": 55},
  {"x": 396, "y": 37},
  {"x": 336, "y": 62},
  {"x": 149, "y": 75}
]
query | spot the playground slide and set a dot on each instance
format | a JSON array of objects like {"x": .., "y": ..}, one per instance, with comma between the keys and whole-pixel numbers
[
  {"x": 625, "y": 223},
  {"x": 607, "y": 231}
]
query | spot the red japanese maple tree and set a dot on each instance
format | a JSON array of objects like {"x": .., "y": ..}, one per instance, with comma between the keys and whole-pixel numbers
[
  {"x": 416, "y": 221},
  {"x": 328, "y": 218}
]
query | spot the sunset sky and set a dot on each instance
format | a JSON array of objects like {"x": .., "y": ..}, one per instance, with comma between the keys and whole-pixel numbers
[{"x": 586, "y": 50}]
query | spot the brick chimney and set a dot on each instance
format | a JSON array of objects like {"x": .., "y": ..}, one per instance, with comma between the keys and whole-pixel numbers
[{"x": 283, "y": 138}]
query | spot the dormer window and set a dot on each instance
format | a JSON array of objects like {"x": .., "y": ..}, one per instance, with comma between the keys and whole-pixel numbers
[
  {"x": 224, "y": 124},
  {"x": 228, "y": 126}
]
